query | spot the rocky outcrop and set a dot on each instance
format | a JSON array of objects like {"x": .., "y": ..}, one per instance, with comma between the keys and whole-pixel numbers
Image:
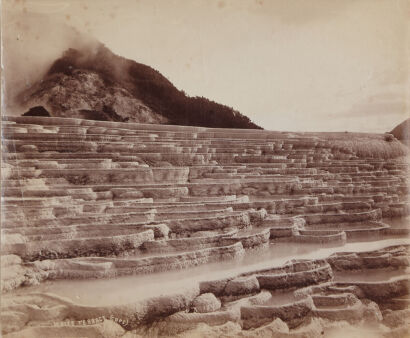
[
  {"x": 96, "y": 84},
  {"x": 206, "y": 302}
]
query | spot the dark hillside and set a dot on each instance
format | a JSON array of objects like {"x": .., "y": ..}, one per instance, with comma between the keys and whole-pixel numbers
[
  {"x": 148, "y": 86},
  {"x": 402, "y": 132}
]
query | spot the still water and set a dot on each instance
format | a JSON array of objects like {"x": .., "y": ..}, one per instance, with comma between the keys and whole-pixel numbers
[{"x": 132, "y": 288}]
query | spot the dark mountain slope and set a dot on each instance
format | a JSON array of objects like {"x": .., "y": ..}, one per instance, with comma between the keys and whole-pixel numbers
[
  {"x": 402, "y": 132},
  {"x": 99, "y": 80}
]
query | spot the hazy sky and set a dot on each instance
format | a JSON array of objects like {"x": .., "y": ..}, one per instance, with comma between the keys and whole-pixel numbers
[{"x": 302, "y": 65}]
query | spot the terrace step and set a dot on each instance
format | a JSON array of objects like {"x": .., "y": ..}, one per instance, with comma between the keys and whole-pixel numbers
[{"x": 95, "y": 199}]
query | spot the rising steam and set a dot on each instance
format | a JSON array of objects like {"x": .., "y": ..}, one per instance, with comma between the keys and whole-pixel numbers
[{"x": 31, "y": 42}]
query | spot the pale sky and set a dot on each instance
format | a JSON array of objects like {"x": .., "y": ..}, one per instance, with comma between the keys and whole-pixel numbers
[{"x": 297, "y": 65}]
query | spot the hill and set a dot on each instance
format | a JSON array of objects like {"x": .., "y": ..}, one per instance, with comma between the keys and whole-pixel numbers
[
  {"x": 402, "y": 132},
  {"x": 97, "y": 84}
]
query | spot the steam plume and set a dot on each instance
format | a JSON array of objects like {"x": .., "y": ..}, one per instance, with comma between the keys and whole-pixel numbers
[{"x": 30, "y": 43}]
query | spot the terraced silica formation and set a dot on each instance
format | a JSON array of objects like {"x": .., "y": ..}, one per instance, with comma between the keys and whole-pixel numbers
[{"x": 120, "y": 230}]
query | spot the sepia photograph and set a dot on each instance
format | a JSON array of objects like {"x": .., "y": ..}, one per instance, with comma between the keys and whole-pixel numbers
[{"x": 205, "y": 168}]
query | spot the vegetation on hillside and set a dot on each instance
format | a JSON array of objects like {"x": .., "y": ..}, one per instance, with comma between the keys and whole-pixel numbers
[
  {"x": 373, "y": 146},
  {"x": 152, "y": 88}
]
